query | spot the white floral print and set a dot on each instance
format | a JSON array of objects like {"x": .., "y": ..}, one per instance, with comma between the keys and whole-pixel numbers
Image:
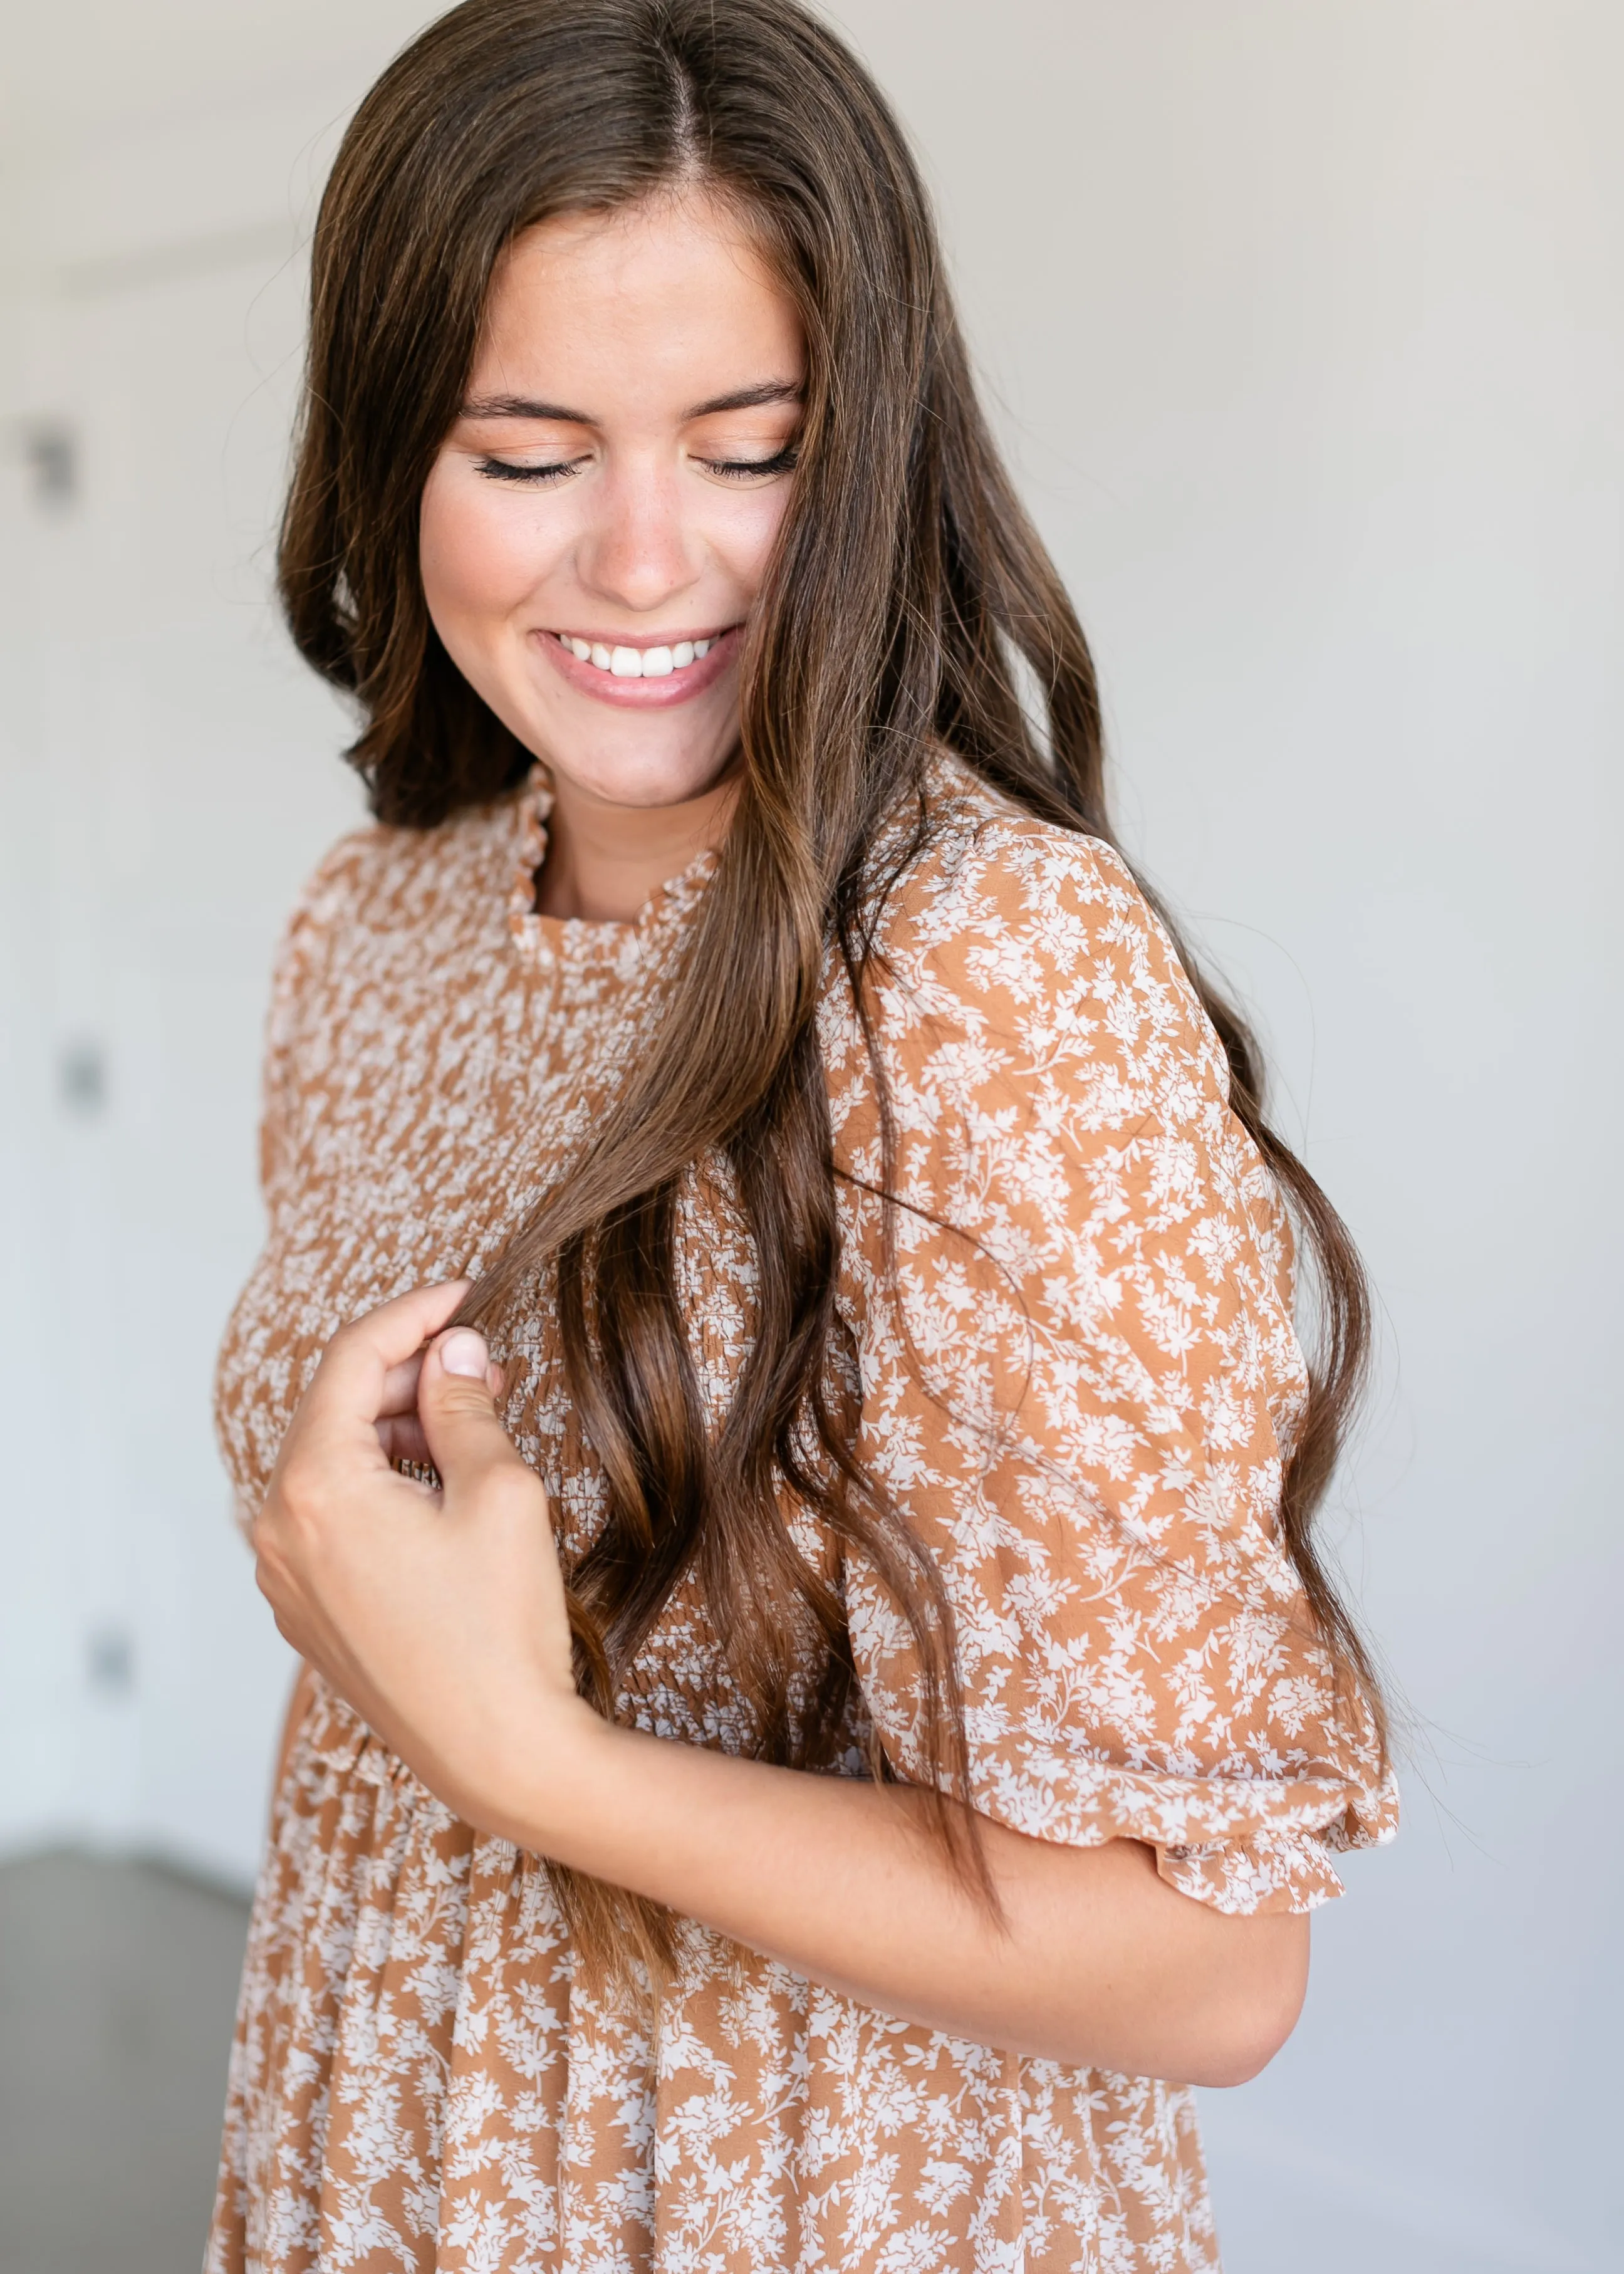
[{"x": 1078, "y": 1384}]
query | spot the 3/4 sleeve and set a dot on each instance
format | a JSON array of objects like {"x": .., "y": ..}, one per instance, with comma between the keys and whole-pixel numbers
[
  {"x": 1079, "y": 1376},
  {"x": 277, "y": 1095},
  {"x": 305, "y": 944},
  {"x": 250, "y": 1375}
]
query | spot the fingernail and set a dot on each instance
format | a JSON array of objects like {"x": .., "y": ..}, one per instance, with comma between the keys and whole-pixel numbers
[{"x": 464, "y": 1353}]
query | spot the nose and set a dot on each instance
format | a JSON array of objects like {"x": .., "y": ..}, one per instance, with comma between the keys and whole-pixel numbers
[{"x": 636, "y": 551}]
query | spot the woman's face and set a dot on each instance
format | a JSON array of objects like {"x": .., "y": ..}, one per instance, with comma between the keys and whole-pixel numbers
[{"x": 596, "y": 525}]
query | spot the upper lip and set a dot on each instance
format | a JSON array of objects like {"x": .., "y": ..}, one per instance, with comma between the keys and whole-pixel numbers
[{"x": 641, "y": 640}]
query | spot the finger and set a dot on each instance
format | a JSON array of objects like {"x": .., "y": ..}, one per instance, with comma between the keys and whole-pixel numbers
[
  {"x": 399, "y": 1430},
  {"x": 348, "y": 1386},
  {"x": 399, "y": 1387},
  {"x": 401, "y": 1437},
  {"x": 456, "y": 1405}
]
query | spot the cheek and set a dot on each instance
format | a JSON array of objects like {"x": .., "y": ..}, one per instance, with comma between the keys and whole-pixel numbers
[
  {"x": 743, "y": 532},
  {"x": 479, "y": 553}
]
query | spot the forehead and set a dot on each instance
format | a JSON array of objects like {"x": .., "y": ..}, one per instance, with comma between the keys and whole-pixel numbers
[{"x": 671, "y": 299}]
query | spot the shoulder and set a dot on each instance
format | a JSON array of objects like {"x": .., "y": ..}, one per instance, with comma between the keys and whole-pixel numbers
[
  {"x": 1013, "y": 948},
  {"x": 383, "y": 893},
  {"x": 383, "y": 877}
]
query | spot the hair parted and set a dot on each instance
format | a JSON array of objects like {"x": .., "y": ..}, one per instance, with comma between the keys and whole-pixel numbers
[{"x": 907, "y": 595}]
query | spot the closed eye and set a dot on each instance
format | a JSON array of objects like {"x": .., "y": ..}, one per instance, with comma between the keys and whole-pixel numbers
[
  {"x": 738, "y": 470},
  {"x": 503, "y": 470},
  {"x": 733, "y": 470}
]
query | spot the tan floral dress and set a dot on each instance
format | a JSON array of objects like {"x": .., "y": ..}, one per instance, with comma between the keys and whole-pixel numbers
[{"x": 1096, "y": 1276}]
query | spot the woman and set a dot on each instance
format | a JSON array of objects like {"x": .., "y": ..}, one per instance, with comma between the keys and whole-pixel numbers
[{"x": 819, "y": 1453}]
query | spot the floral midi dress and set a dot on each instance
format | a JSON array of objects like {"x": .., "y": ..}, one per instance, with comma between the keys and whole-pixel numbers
[{"x": 1076, "y": 1381}]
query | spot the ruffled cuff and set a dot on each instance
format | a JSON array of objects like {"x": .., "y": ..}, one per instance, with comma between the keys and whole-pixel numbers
[
  {"x": 1270, "y": 1872},
  {"x": 1241, "y": 1843}
]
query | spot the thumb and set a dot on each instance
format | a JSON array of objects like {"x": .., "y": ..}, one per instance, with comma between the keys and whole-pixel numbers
[{"x": 456, "y": 1405}]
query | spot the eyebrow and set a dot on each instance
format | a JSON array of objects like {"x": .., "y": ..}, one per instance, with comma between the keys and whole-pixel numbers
[{"x": 523, "y": 406}]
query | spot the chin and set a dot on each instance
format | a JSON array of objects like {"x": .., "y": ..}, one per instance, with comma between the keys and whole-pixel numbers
[{"x": 641, "y": 777}]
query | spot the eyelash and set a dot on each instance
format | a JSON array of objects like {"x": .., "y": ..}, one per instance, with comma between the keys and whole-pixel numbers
[
  {"x": 740, "y": 469},
  {"x": 502, "y": 469},
  {"x": 736, "y": 469}
]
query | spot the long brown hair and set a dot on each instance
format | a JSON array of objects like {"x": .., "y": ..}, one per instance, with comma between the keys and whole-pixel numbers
[{"x": 907, "y": 600}]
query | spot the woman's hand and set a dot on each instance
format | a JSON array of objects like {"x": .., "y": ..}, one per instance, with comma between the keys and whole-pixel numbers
[{"x": 439, "y": 1615}]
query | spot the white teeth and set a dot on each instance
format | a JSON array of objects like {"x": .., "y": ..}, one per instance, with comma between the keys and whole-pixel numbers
[{"x": 636, "y": 662}]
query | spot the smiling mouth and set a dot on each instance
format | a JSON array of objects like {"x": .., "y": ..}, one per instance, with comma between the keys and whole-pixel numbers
[{"x": 620, "y": 662}]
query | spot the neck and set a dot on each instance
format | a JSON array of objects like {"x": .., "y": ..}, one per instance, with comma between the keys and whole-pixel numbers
[{"x": 605, "y": 862}]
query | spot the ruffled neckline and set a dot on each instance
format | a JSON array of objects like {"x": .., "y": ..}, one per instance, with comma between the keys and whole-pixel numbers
[{"x": 616, "y": 944}]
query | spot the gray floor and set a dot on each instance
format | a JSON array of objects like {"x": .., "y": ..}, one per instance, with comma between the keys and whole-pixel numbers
[{"x": 116, "y": 1987}]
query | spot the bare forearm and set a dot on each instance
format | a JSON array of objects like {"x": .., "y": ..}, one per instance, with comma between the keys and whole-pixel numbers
[
  {"x": 442, "y": 1619},
  {"x": 1094, "y": 1960}
]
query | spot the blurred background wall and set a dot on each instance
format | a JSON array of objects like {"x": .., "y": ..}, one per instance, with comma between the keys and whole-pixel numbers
[{"x": 1305, "y": 327}]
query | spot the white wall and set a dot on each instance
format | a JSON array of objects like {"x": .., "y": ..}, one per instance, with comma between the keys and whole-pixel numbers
[
  {"x": 1305, "y": 325},
  {"x": 169, "y": 777}
]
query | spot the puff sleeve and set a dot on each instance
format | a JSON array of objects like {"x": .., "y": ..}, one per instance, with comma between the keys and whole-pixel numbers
[
  {"x": 1079, "y": 1379},
  {"x": 303, "y": 955}
]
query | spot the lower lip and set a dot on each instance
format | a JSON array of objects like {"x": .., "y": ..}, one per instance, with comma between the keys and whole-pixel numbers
[{"x": 642, "y": 694}]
